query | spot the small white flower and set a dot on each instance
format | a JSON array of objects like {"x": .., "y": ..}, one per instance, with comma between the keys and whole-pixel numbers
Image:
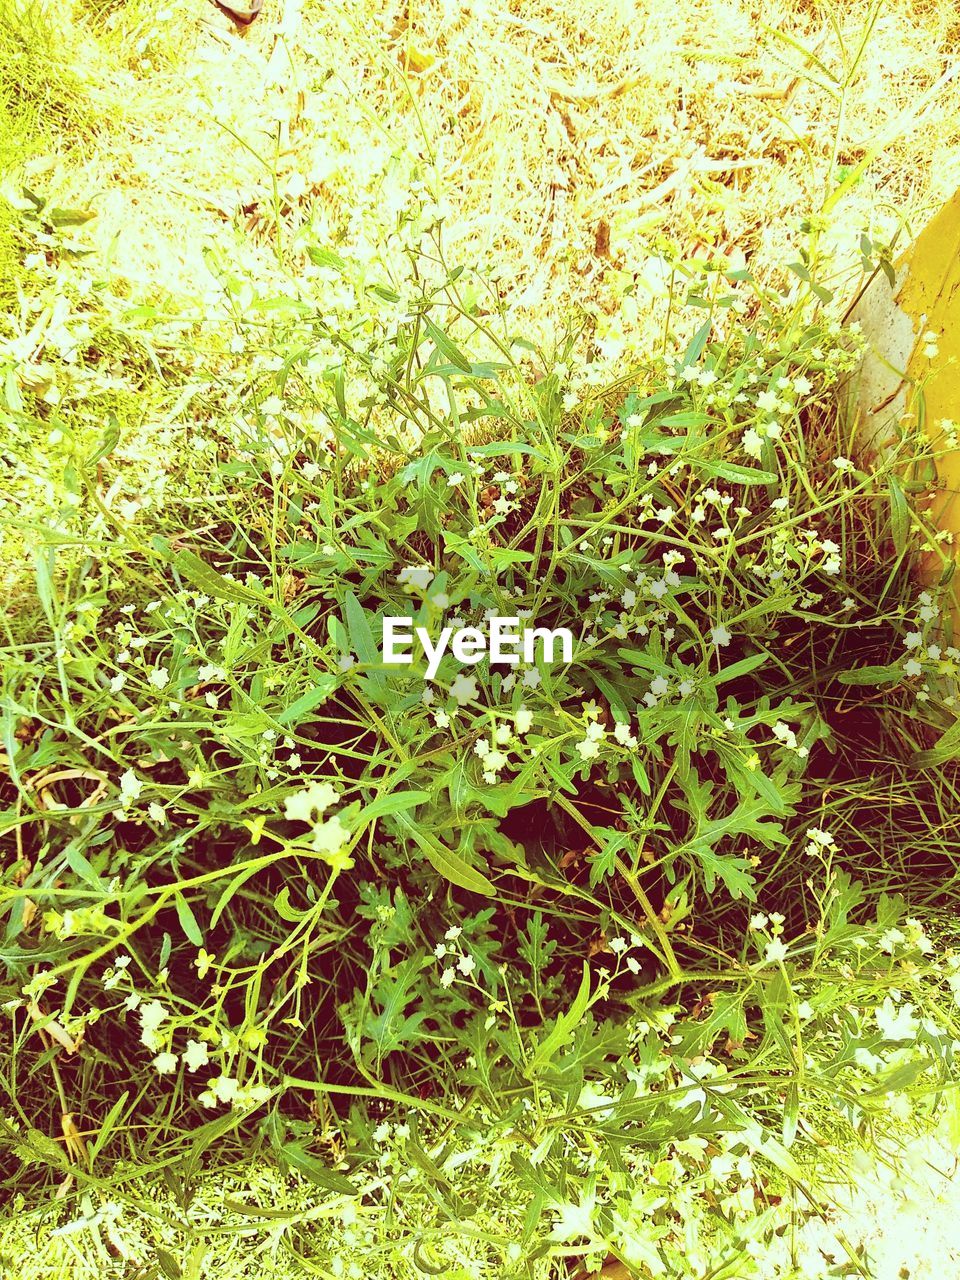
[
  {"x": 301, "y": 806},
  {"x": 330, "y": 836},
  {"x": 522, "y": 720},
  {"x": 165, "y": 1063},
  {"x": 196, "y": 1055},
  {"x": 464, "y": 689},
  {"x": 130, "y": 786},
  {"x": 455, "y": 479},
  {"x": 720, "y": 636},
  {"x": 894, "y": 1023},
  {"x": 776, "y": 950},
  {"x": 152, "y": 1015}
]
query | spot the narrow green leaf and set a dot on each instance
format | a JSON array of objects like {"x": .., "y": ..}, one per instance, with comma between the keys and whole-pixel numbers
[
  {"x": 445, "y": 861},
  {"x": 188, "y": 921},
  {"x": 361, "y": 639},
  {"x": 316, "y": 1171},
  {"x": 899, "y": 516}
]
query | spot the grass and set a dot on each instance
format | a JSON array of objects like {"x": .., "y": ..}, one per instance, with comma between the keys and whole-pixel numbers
[{"x": 316, "y": 967}]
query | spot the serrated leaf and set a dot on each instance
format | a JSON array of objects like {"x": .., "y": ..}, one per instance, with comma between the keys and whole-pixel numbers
[{"x": 564, "y": 1026}]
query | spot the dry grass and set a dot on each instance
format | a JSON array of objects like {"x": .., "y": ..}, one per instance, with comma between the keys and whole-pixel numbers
[{"x": 567, "y": 138}]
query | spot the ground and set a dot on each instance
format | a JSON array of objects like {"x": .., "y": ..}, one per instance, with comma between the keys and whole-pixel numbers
[{"x": 572, "y": 146}]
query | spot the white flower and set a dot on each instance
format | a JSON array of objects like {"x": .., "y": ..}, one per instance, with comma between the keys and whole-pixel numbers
[
  {"x": 117, "y": 683},
  {"x": 165, "y": 1063},
  {"x": 752, "y": 443},
  {"x": 455, "y": 479},
  {"x": 589, "y": 748},
  {"x": 891, "y": 940},
  {"x": 522, "y": 720},
  {"x": 447, "y": 977},
  {"x": 453, "y": 933},
  {"x": 416, "y": 576},
  {"x": 843, "y": 464},
  {"x": 720, "y": 636},
  {"x": 776, "y": 950},
  {"x": 152, "y": 1015},
  {"x": 302, "y": 805},
  {"x": 224, "y": 1088},
  {"x": 767, "y": 401},
  {"x": 130, "y": 786},
  {"x": 894, "y": 1023},
  {"x": 759, "y": 921},
  {"x": 330, "y": 836},
  {"x": 466, "y": 965},
  {"x": 464, "y": 689},
  {"x": 574, "y": 1220},
  {"x": 159, "y": 677},
  {"x": 196, "y": 1055}
]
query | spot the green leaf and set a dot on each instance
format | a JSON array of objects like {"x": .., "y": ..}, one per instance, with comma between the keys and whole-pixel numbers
[
  {"x": 946, "y": 748},
  {"x": 872, "y": 675},
  {"x": 565, "y": 1025},
  {"x": 108, "y": 441},
  {"x": 210, "y": 582},
  {"x": 361, "y": 639},
  {"x": 899, "y": 516},
  {"x": 444, "y": 345},
  {"x": 188, "y": 921},
  {"x": 733, "y": 473},
  {"x": 107, "y": 1125},
  {"x": 314, "y": 697},
  {"x": 313, "y": 1168},
  {"x": 395, "y": 802},
  {"x": 695, "y": 350},
  {"x": 236, "y": 883},
  {"x": 169, "y": 1265},
  {"x": 79, "y": 863},
  {"x": 449, "y": 864}
]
